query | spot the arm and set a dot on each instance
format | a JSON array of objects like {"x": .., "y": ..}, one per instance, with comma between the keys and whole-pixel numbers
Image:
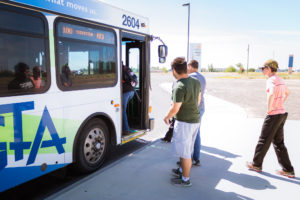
[
  {"x": 172, "y": 112},
  {"x": 287, "y": 93},
  {"x": 199, "y": 98}
]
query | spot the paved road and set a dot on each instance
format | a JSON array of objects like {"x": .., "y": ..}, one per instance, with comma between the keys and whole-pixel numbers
[
  {"x": 250, "y": 94},
  {"x": 247, "y": 93}
]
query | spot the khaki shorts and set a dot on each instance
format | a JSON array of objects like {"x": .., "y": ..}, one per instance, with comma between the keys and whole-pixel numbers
[{"x": 184, "y": 138}]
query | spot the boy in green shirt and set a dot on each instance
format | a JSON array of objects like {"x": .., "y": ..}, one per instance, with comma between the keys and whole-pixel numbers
[{"x": 186, "y": 98}]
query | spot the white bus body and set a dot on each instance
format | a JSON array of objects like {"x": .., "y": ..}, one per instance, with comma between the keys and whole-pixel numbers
[{"x": 71, "y": 110}]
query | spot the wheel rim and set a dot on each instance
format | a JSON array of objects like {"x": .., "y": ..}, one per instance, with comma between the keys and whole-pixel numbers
[{"x": 94, "y": 146}]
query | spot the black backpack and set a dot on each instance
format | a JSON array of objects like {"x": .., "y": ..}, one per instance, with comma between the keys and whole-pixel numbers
[{"x": 129, "y": 76}]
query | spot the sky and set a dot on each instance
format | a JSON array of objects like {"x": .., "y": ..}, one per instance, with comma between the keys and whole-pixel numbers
[{"x": 224, "y": 28}]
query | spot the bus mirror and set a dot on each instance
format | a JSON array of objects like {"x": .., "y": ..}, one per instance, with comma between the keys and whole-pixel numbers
[{"x": 162, "y": 53}]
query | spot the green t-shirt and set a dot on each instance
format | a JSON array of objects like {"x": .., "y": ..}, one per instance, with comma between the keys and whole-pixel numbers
[{"x": 187, "y": 91}]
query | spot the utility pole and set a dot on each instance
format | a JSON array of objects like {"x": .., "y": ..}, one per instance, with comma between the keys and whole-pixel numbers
[{"x": 248, "y": 58}]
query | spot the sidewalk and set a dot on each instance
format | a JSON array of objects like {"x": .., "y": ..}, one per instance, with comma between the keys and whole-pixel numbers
[{"x": 228, "y": 139}]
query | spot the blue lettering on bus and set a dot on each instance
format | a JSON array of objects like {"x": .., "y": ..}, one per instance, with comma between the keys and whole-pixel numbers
[
  {"x": 1, "y": 121},
  {"x": 3, "y": 155},
  {"x": 19, "y": 145},
  {"x": 46, "y": 121}
]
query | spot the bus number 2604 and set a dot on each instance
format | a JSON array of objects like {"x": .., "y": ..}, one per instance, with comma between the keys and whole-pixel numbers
[{"x": 130, "y": 21}]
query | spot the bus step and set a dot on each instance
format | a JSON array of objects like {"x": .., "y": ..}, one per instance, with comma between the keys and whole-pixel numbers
[{"x": 133, "y": 136}]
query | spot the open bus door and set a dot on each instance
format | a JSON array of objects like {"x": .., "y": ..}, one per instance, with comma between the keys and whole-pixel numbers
[{"x": 134, "y": 55}]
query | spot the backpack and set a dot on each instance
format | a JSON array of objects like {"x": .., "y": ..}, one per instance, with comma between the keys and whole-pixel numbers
[{"x": 129, "y": 76}]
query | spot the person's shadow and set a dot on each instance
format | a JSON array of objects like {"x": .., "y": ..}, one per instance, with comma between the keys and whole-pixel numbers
[
  {"x": 295, "y": 180},
  {"x": 214, "y": 169},
  {"x": 211, "y": 181},
  {"x": 230, "y": 155}
]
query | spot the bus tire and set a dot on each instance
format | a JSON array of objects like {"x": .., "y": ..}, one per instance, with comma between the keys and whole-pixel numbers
[{"x": 92, "y": 146}]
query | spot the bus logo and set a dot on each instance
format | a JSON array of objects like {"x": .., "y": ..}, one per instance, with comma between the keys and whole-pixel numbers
[{"x": 18, "y": 146}]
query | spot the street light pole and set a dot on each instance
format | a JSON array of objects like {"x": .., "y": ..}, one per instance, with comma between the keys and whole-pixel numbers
[{"x": 188, "y": 42}]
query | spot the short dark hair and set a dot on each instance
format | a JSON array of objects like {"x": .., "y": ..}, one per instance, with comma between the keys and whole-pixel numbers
[
  {"x": 179, "y": 65},
  {"x": 21, "y": 67},
  {"x": 194, "y": 64}
]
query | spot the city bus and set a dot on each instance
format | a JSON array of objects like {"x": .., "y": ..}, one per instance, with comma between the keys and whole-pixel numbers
[{"x": 61, "y": 84}]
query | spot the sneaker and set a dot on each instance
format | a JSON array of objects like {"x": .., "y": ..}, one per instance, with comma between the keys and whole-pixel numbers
[
  {"x": 287, "y": 174},
  {"x": 196, "y": 162},
  {"x": 252, "y": 167},
  {"x": 180, "y": 182},
  {"x": 176, "y": 172}
]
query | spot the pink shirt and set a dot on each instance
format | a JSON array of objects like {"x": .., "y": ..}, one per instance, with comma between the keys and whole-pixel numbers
[
  {"x": 276, "y": 86},
  {"x": 37, "y": 83}
]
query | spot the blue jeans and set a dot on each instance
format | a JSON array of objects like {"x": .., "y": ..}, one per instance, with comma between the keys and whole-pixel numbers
[
  {"x": 127, "y": 96},
  {"x": 197, "y": 145}
]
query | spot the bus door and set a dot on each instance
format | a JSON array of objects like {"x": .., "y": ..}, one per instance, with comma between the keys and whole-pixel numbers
[{"x": 134, "y": 48}]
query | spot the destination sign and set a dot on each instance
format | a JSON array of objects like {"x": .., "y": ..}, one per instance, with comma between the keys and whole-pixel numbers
[{"x": 85, "y": 33}]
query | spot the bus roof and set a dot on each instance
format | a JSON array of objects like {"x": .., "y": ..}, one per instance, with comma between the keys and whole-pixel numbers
[{"x": 93, "y": 10}]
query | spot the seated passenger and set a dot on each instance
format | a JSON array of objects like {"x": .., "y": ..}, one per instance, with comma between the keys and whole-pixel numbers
[
  {"x": 35, "y": 78},
  {"x": 21, "y": 80},
  {"x": 65, "y": 76}
]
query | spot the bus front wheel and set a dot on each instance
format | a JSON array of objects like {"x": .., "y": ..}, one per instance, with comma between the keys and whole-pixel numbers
[{"x": 92, "y": 146}]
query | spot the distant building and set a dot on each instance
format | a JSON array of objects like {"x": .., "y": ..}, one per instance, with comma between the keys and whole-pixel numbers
[{"x": 195, "y": 53}]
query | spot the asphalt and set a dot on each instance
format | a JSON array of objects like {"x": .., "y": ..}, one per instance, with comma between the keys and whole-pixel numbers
[{"x": 228, "y": 139}]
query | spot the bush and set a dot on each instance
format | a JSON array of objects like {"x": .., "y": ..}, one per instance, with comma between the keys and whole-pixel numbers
[
  {"x": 230, "y": 69},
  {"x": 211, "y": 68},
  {"x": 242, "y": 70},
  {"x": 251, "y": 70},
  {"x": 165, "y": 69},
  {"x": 240, "y": 67}
]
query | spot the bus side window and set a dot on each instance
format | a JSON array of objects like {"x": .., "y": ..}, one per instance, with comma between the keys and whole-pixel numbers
[
  {"x": 23, "y": 68},
  {"x": 85, "y": 60}
]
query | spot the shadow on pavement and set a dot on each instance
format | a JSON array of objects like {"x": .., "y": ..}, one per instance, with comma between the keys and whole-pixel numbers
[
  {"x": 295, "y": 180},
  {"x": 145, "y": 174},
  {"x": 215, "y": 169}
]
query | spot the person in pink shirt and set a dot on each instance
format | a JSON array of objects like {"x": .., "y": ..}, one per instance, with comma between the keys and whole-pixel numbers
[
  {"x": 272, "y": 129},
  {"x": 36, "y": 77}
]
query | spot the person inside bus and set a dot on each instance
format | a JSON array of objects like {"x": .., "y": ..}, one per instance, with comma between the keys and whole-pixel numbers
[
  {"x": 21, "y": 80},
  {"x": 35, "y": 78},
  {"x": 65, "y": 76},
  {"x": 129, "y": 82}
]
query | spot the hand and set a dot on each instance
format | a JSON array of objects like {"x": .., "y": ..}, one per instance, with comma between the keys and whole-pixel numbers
[
  {"x": 133, "y": 83},
  {"x": 166, "y": 120}
]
